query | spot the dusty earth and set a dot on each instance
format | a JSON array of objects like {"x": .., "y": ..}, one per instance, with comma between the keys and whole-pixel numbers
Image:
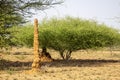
[{"x": 84, "y": 65}]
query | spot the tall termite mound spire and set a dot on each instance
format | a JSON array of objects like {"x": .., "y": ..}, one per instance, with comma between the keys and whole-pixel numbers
[{"x": 36, "y": 61}]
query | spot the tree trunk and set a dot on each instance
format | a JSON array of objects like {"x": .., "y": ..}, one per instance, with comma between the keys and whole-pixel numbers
[
  {"x": 45, "y": 56},
  {"x": 36, "y": 62},
  {"x": 66, "y": 55}
]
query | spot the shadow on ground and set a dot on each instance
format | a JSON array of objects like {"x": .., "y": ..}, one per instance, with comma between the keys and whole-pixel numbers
[
  {"x": 17, "y": 65},
  {"x": 81, "y": 63},
  {"x": 14, "y": 65}
]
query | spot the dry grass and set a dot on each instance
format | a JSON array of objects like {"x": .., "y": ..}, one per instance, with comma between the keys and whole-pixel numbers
[{"x": 91, "y": 65}]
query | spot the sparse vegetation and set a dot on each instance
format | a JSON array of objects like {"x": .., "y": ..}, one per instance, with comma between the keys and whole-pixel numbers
[{"x": 83, "y": 66}]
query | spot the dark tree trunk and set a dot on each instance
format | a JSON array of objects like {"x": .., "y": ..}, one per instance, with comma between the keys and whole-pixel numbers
[{"x": 45, "y": 56}]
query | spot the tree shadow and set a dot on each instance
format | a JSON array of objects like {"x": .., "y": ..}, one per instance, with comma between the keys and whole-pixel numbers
[
  {"x": 80, "y": 63},
  {"x": 14, "y": 65},
  {"x": 18, "y": 66}
]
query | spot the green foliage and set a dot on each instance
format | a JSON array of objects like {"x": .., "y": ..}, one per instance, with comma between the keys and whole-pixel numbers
[
  {"x": 14, "y": 12},
  {"x": 23, "y": 36},
  {"x": 8, "y": 18},
  {"x": 70, "y": 34}
]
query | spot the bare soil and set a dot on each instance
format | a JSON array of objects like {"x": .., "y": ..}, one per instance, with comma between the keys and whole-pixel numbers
[{"x": 84, "y": 65}]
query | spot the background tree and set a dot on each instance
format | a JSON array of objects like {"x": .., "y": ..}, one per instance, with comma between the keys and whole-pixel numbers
[
  {"x": 14, "y": 12},
  {"x": 8, "y": 18}
]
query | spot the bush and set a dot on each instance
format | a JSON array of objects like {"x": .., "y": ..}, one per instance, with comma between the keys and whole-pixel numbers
[
  {"x": 70, "y": 34},
  {"x": 23, "y": 36}
]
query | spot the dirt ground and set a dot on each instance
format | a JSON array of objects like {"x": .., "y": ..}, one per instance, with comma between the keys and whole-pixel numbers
[{"x": 84, "y": 65}]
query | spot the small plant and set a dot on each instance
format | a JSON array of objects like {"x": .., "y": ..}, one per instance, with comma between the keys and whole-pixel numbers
[
  {"x": 10, "y": 71},
  {"x": 15, "y": 79},
  {"x": 115, "y": 55},
  {"x": 21, "y": 57}
]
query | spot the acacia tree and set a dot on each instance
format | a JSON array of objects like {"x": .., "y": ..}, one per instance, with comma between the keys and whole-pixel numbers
[
  {"x": 14, "y": 12},
  {"x": 70, "y": 34}
]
